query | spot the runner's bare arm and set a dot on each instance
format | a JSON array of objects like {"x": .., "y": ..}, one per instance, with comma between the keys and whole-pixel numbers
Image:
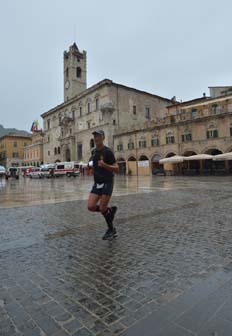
[{"x": 113, "y": 168}]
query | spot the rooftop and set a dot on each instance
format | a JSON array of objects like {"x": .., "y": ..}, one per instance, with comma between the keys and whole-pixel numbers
[{"x": 96, "y": 86}]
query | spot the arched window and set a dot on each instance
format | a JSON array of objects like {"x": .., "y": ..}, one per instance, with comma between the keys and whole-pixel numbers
[
  {"x": 78, "y": 72},
  {"x": 55, "y": 150},
  {"x": 58, "y": 150},
  {"x": 91, "y": 143},
  {"x": 142, "y": 142},
  {"x": 170, "y": 137},
  {"x": 186, "y": 135}
]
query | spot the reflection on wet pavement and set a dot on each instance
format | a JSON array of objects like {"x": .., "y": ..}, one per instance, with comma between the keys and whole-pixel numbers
[
  {"x": 31, "y": 192},
  {"x": 168, "y": 273}
]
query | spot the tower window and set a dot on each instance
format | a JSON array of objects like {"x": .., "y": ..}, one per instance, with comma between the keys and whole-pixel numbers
[
  {"x": 80, "y": 111},
  {"x": 78, "y": 72},
  {"x": 67, "y": 73},
  {"x": 134, "y": 109}
]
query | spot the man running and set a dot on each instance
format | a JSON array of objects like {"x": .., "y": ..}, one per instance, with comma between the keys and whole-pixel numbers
[{"x": 104, "y": 167}]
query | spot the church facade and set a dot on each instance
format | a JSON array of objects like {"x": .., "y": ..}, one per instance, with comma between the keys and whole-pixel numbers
[{"x": 110, "y": 106}]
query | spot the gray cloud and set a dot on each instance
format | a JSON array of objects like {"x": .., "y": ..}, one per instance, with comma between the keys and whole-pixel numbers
[{"x": 166, "y": 47}]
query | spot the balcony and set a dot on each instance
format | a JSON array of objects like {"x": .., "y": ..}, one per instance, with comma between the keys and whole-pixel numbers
[
  {"x": 66, "y": 121},
  {"x": 107, "y": 107}
]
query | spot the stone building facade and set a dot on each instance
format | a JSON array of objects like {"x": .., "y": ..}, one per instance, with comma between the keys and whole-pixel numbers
[
  {"x": 11, "y": 149},
  {"x": 202, "y": 125},
  {"x": 107, "y": 105},
  {"x": 33, "y": 153}
]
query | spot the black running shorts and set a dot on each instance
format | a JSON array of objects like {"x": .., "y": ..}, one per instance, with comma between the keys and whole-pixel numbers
[{"x": 103, "y": 188}]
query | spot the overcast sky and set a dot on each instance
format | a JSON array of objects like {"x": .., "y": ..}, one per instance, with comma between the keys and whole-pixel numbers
[{"x": 166, "y": 47}]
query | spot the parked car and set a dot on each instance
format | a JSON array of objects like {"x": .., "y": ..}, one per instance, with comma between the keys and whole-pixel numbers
[
  {"x": 66, "y": 169},
  {"x": 12, "y": 172},
  {"x": 35, "y": 172},
  {"x": 2, "y": 171},
  {"x": 47, "y": 170}
]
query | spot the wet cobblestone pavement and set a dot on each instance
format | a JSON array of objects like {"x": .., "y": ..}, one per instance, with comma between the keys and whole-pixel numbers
[{"x": 168, "y": 273}]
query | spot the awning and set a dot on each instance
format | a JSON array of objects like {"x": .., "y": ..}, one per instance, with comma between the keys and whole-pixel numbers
[
  {"x": 223, "y": 157},
  {"x": 198, "y": 157},
  {"x": 172, "y": 159}
]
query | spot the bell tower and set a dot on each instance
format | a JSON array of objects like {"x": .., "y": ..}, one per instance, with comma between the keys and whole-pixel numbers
[{"x": 74, "y": 72}]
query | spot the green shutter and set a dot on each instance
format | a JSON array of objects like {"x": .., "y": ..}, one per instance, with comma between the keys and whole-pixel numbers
[
  {"x": 166, "y": 140},
  {"x": 190, "y": 137},
  {"x": 173, "y": 139},
  {"x": 182, "y": 137},
  {"x": 215, "y": 133}
]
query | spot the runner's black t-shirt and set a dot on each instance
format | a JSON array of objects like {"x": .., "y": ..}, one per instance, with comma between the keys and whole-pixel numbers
[{"x": 102, "y": 175}]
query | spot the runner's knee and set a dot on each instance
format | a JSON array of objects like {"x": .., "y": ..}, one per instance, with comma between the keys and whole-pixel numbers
[{"x": 91, "y": 207}]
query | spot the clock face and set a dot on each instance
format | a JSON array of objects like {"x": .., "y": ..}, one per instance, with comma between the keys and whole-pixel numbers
[{"x": 67, "y": 84}]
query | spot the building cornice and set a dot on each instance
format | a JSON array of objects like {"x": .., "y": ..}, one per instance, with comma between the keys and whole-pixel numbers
[
  {"x": 201, "y": 102},
  {"x": 173, "y": 124},
  {"x": 95, "y": 87}
]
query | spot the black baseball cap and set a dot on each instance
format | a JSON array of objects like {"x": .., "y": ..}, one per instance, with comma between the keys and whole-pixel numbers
[{"x": 99, "y": 132}]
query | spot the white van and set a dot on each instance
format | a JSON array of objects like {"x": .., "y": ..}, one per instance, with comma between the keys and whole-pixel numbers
[
  {"x": 47, "y": 170},
  {"x": 66, "y": 169}
]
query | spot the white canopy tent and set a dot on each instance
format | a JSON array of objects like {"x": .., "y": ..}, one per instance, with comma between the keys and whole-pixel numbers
[
  {"x": 198, "y": 157},
  {"x": 172, "y": 159},
  {"x": 223, "y": 157}
]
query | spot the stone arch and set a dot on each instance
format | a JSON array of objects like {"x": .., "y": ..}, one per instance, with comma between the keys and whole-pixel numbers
[
  {"x": 143, "y": 165},
  {"x": 155, "y": 157},
  {"x": 212, "y": 149},
  {"x": 132, "y": 166},
  {"x": 169, "y": 154},
  {"x": 190, "y": 167},
  {"x": 213, "y": 167},
  {"x": 122, "y": 165},
  {"x": 143, "y": 158},
  {"x": 131, "y": 158},
  {"x": 189, "y": 152},
  {"x": 156, "y": 167}
]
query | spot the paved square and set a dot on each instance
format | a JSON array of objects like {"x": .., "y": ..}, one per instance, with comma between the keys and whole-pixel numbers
[{"x": 168, "y": 273}]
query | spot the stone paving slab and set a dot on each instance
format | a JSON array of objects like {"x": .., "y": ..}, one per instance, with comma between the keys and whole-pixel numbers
[{"x": 168, "y": 273}]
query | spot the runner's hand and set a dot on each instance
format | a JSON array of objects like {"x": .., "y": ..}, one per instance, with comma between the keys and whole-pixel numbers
[{"x": 101, "y": 163}]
